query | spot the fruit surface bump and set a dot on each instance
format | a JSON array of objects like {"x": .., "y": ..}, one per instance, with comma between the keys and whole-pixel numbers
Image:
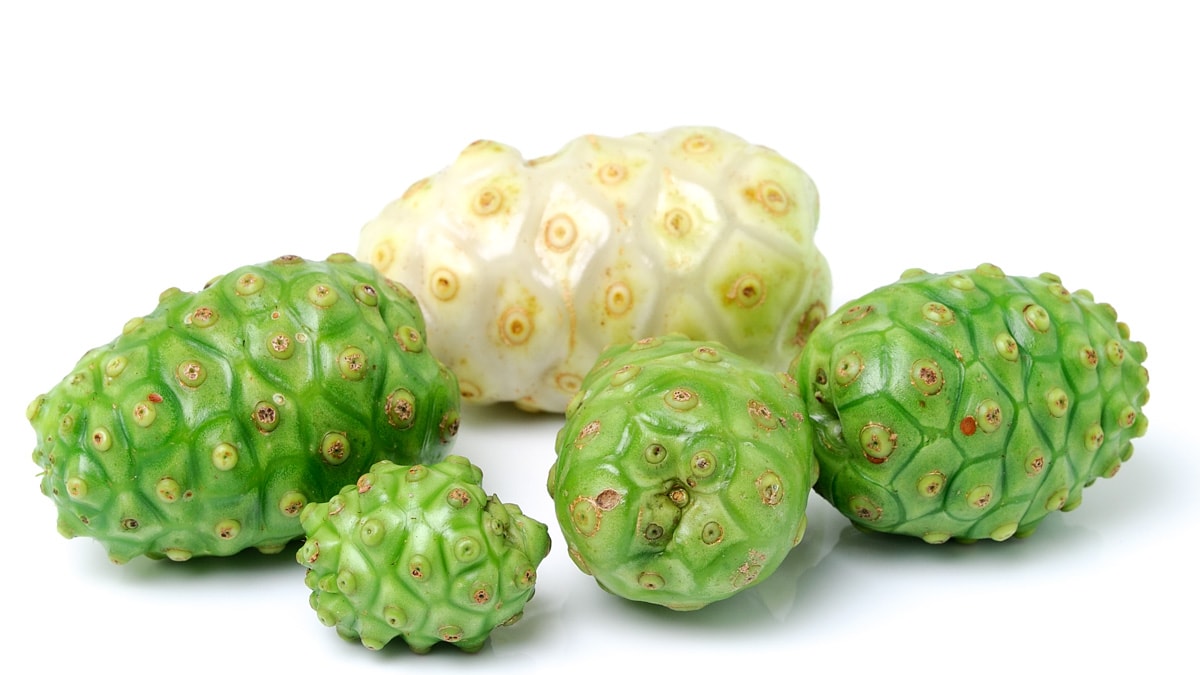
[
  {"x": 206, "y": 426},
  {"x": 969, "y": 405},
  {"x": 422, "y": 553},
  {"x": 683, "y": 472},
  {"x": 527, "y": 269}
]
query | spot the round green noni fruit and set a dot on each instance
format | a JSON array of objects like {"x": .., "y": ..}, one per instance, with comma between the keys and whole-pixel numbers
[
  {"x": 683, "y": 472},
  {"x": 207, "y": 425},
  {"x": 422, "y": 553},
  {"x": 969, "y": 405}
]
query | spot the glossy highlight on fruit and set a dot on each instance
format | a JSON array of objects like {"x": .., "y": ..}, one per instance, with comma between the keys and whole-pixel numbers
[
  {"x": 420, "y": 553},
  {"x": 969, "y": 405},
  {"x": 527, "y": 269},
  {"x": 683, "y": 472},
  {"x": 207, "y": 425}
]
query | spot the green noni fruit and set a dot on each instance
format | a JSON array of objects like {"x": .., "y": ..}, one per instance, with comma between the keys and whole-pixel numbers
[
  {"x": 969, "y": 405},
  {"x": 682, "y": 473},
  {"x": 421, "y": 553},
  {"x": 207, "y": 425}
]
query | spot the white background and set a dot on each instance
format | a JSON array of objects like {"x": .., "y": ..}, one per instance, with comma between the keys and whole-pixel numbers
[{"x": 148, "y": 145}]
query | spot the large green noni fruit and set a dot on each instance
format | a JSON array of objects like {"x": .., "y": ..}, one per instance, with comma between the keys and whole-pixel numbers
[
  {"x": 421, "y": 553},
  {"x": 683, "y": 472},
  {"x": 969, "y": 405},
  {"x": 206, "y": 426}
]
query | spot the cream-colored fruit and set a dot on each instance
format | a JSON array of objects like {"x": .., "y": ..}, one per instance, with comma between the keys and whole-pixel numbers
[{"x": 526, "y": 270}]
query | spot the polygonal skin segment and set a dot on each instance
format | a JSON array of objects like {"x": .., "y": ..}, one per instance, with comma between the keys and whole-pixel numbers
[
  {"x": 969, "y": 405},
  {"x": 420, "y": 553},
  {"x": 683, "y": 472},
  {"x": 526, "y": 270},
  {"x": 205, "y": 427}
]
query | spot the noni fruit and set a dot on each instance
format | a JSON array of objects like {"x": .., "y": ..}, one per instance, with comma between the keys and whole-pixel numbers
[
  {"x": 206, "y": 426},
  {"x": 969, "y": 405},
  {"x": 683, "y": 472},
  {"x": 421, "y": 553},
  {"x": 526, "y": 270}
]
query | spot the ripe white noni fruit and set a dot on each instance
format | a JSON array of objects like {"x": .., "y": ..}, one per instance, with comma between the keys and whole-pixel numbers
[{"x": 527, "y": 270}]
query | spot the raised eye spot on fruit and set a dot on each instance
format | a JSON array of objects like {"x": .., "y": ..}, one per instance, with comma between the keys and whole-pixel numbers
[
  {"x": 712, "y": 533},
  {"x": 367, "y": 295},
  {"x": 773, "y": 198},
  {"x": 224, "y": 456},
  {"x": 962, "y": 282},
  {"x": 203, "y": 317},
  {"x": 618, "y": 299},
  {"x": 144, "y": 414},
  {"x": 748, "y": 291},
  {"x": 352, "y": 363},
  {"x": 770, "y": 488},
  {"x": 400, "y": 408},
  {"x": 611, "y": 174},
  {"x": 101, "y": 439},
  {"x": 248, "y": 284},
  {"x": 458, "y": 497},
  {"x": 481, "y": 596},
  {"x": 980, "y": 496},
  {"x": 585, "y": 516},
  {"x": 926, "y": 376},
  {"x": 291, "y": 503},
  {"x": 930, "y": 485},
  {"x": 1057, "y": 402},
  {"x": 1035, "y": 462},
  {"x": 279, "y": 345},
  {"x": 335, "y": 447},
  {"x": 487, "y": 202},
  {"x": 625, "y": 373},
  {"x": 937, "y": 313},
  {"x": 677, "y": 223},
  {"x": 265, "y": 417},
  {"x": 1115, "y": 351},
  {"x": 322, "y": 296},
  {"x": 653, "y": 532},
  {"x": 1007, "y": 347},
  {"x": 655, "y": 453},
  {"x": 703, "y": 464},
  {"x": 848, "y": 368},
  {"x": 697, "y": 144},
  {"x": 443, "y": 284},
  {"x": 681, "y": 399},
  {"x": 515, "y": 326},
  {"x": 560, "y": 233},
  {"x": 989, "y": 416},
  {"x": 1037, "y": 317},
  {"x": 878, "y": 442},
  {"x": 129, "y": 524},
  {"x": 650, "y": 581}
]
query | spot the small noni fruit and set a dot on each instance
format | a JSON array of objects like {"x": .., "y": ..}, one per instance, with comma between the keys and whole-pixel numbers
[
  {"x": 683, "y": 472},
  {"x": 526, "y": 270},
  {"x": 969, "y": 405},
  {"x": 421, "y": 553},
  {"x": 205, "y": 427}
]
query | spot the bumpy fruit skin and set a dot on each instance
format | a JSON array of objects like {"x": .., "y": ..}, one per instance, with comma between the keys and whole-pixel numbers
[
  {"x": 526, "y": 270},
  {"x": 421, "y": 553},
  {"x": 969, "y": 405},
  {"x": 683, "y": 472},
  {"x": 205, "y": 427}
]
